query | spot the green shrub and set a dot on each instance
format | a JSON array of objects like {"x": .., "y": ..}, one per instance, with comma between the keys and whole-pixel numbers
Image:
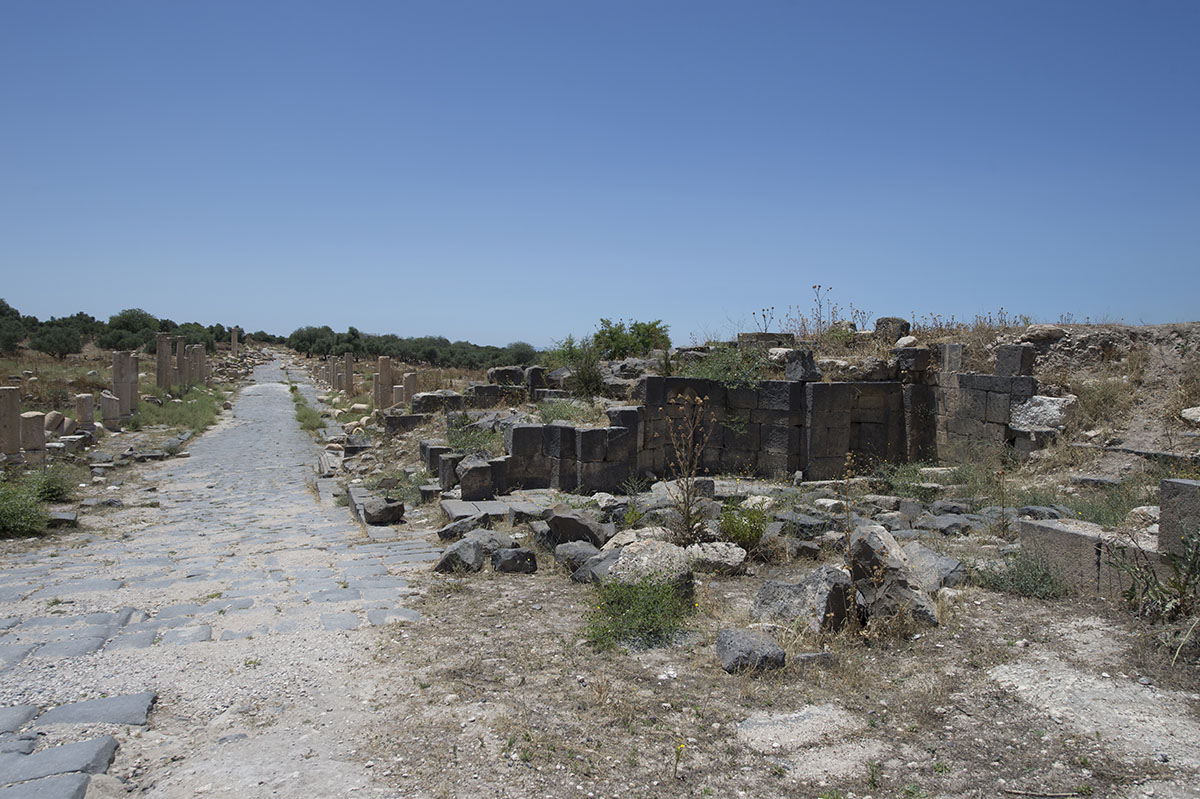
[
  {"x": 1024, "y": 573},
  {"x": 743, "y": 526},
  {"x": 735, "y": 367},
  {"x": 569, "y": 411},
  {"x": 647, "y": 613},
  {"x": 54, "y": 484},
  {"x": 197, "y": 412},
  {"x": 1157, "y": 597},
  {"x": 463, "y": 437},
  {"x": 21, "y": 512},
  {"x": 308, "y": 418}
]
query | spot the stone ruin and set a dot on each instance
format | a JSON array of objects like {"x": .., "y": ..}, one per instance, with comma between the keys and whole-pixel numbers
[{"x": 903, "y": 411}]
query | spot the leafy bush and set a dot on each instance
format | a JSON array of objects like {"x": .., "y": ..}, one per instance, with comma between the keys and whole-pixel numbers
[
  {"x": 54, "y": 484},
  {"x": 1155, "y": 597},
  {"x": 583, "y": 358},
  {"x": 616, "y": 341},
  {"x": 649, "y": 612},
  {"x": 1025, "y": 573},
  {"x": 21, "y": 512},
  {"x": 743, "y": 526},
  {"x": 309, "y": 419}
]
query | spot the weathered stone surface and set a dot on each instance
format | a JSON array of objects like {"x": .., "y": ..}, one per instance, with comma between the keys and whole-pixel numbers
[
  {"x": 627, "y": 537},
  {"x": 89, "y": 757},
  {"x": 890, "y": 329},
  {"x": 883, "y": 578},
  {"x": 800, "y": 365},
  {"x": 596, "y": 569},
  {"x": 654, "y": 560},
  {"x": 461, "y": 556},
  {"x": 1040, "y": 412},
  {"x": 566, "y": 525},
  {"x": 574, "y": 554},
  {"x": 1191, "y": 415},
  {"x": 931, "y": 571},
  {"x": 13, "y": 718},
  {"x": 127, "y": 709},
  {"x": 1043, "y": 333},
  {"x": 490, "y": 540},
  {"x": 720, "y": 557},
  {"x": 62, "y": 786},
  {"x": 746, "y": 650},
  {"x": 818, "y": 602},
  {"x": 518, "y": 560},
  {"x": 378, "y": 511},
  {"x": 475, "y": 479},
  {"x": 1179, "y": 501}
]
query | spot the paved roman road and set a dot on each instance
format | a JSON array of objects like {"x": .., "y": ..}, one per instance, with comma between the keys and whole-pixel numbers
[{"x": 243, "y": 602}]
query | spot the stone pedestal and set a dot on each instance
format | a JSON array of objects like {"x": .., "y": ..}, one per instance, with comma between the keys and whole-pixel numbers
[
  {"x": 233, "y": 342},
  {"x": 110, "y": 410},
  {"x": 398, "y": 397},
  {"x": 410, "y": 386},
  {"x": 33, "y": 432},
  {"x": 383, "y": 383},
  {"x": 348, "y": 370},
  {"x": 183, "y": 373},
  {"x": 85, "y": 411},
  {"x": 10, "y": 420},
  {"x": 162, "y": 361},
  {"x": 125, "y": 381}
]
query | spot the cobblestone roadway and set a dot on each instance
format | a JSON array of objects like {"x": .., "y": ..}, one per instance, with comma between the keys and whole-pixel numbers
[{"x": 236, "y": 600}]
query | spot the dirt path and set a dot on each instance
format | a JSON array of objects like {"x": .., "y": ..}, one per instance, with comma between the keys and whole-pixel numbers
[{"x": 244, "y": 602}]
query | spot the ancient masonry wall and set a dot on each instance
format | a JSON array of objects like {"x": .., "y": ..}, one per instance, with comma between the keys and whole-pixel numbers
[{"x": 772, "y": 428}]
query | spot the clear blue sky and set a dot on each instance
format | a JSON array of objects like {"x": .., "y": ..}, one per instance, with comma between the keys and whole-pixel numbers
[{"x": 500, "y": 171}]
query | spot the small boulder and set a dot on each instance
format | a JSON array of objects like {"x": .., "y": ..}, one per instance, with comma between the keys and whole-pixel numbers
[
  {"x": 1040, "y": 413},
  {"x": 647, "y": 560},
  {"x": 720, "y": 557},
  {"x": 627, "y": 537},
  {"x": 378, "y": 511},
  {"x": 1043, "y": 333},
  {"x": 566, "y": 524},
  {"x": 747, "y": 650},
  {"x": 574, "y": 554},
  {"x": 596, "y": 568},
  {"x": 490, "y": 540},
  {"x": 818, "y": 602},
  {"x": 931, "y": 571},
  {"x": 461, "y": 556},
  {"x": 517, "y": 560},
  {"x": 1190, "y": 415},
  {"x": 457, "y": 529}
]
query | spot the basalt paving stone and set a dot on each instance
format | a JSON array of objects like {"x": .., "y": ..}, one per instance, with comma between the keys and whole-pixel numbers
[
  {"x": 173, "y": 611},
  {"x": 340, "y": 621},
  {"x": 12, "y": 654},
  {"x": 15, "y": 593},
  {"x": 373, "y": 596},
  {"x": 126, "y": 709},
  {"x": 89, "y": 757},
  {"x": 188, "y": 635},
  {"x": 63, "y": 786},
  {"x": 380, "y": 617},
  {"x": 380, "y": 582},
  {"x": 139, "y": 639},
  {"x": 52, "y": 621},
  {"x": 337, "y": 595},
  {"x": 219, "y": 605},
  {"x": 13, "y": 718},
  {"x": 241, "y": 635},
  {"x": 21, "y": 744},
  {"x": 79, "y": 587},
  {"x": 72, "y": 648}
]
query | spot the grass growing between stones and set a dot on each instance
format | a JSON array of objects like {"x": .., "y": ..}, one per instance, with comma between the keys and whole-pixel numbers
[
  {"x": 573, "y": 411},
  {"x": 22, "y": 513},
  {"x": 646, "y": 613},
  {"x": 463, "y": 437},
  {"x": 1023, "y": 573},
  {"x": 197, "y": 409}
]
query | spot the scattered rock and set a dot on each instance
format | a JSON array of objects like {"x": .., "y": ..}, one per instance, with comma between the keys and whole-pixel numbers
[
  {"x": 721, "y": 557},
  {"x": 747, "y": 650},
  {"x": 1039, "y": 412},
  {"x": 461, "y": 556},
  {"x": 644, "y": 560},
  {"x": 818, "y": 602},
  {"x": 574, "y": 554},
  {"x": 457, "y": 529},
  {"x": 517, "y": 560},
  {"x": 379, "y": 511}
]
